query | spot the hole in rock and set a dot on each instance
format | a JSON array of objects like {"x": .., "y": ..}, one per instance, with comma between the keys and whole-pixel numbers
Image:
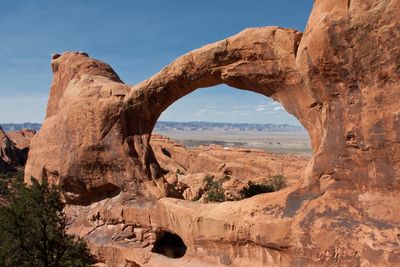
[
  {"x": 231, "y": 117},
  {"x": 170, "y": 245},
  {"x": 166, "y": 152},
  {"x": 210, "y": 143},
  {"x": 101, "y": 192}
]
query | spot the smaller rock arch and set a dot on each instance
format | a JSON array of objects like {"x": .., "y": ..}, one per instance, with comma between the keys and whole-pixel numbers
[{"x": 169, "y": 244}]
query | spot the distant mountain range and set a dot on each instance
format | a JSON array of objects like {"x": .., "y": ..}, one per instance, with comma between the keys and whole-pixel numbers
[
  {"x": 18, "y": 126},
  {"x": 163, "y": 126}
]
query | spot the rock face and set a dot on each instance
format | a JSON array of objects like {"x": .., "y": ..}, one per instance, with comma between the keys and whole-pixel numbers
[
  {"x": 22, "y": 138},
  {"x": 340, "y": 79},
  {"x": 14, "y": 147}
]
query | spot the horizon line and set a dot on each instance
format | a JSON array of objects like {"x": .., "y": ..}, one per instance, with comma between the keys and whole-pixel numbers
[
  {"x": 267, "y": 123},
  {"x": 18, "y": 123}
]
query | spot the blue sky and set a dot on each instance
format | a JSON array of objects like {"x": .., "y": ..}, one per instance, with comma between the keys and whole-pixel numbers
[{"x": 138, "y": 38}]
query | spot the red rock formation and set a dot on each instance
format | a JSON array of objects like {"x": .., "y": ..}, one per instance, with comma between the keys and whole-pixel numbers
[
  {"x": 186, "y": 168},
  {"x": 22, "y": 138},
  {"x": 340, "y": 79},
  {"x": 14, "y": 147}
]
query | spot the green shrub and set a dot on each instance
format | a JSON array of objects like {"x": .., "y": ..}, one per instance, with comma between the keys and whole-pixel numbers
[
  {"x": 14, "y": 175},
  {"x": 277, "y": 182},
  {"x": 9, "y": 180},
  {"x": 214, "y": 192},
  {"x": 213, "y": 189},
  {"x": 272, "y": 184},
  {"x": 215, "y": 195}
]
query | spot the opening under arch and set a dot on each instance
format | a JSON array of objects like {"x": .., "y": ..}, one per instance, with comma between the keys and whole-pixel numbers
[
  {"x": 170, "y": 245},
  {"x": 214, "y": 142},
  {"x": 227, "y": 116}
]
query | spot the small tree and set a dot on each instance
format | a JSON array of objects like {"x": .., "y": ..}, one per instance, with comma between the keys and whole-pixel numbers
[
  {"x": 7, "y": 179},
  {"x": 32, "y": 230}
]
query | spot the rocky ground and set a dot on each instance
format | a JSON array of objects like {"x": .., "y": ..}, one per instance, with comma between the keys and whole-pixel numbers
[
  {"x": 188, "y": 167},
  {"x": 184, "y": 171},
  {"x": 126, "y": 226}
]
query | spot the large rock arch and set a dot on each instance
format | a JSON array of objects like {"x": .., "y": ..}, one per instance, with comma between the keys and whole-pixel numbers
[
  {"x": 261, "y": 60},
  {"x": 340, "y": 79}
]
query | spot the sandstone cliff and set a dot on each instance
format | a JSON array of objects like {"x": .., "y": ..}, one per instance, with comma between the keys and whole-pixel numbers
[{"x": 340, "y": 79}]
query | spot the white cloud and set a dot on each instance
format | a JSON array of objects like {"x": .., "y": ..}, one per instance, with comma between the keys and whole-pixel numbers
[
  {"x": 229, "y": 108},
  {"x": 240, "y": 107},
  {"x": 204, "y": 111}
]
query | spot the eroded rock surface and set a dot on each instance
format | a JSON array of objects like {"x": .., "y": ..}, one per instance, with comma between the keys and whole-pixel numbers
[
  {"x": 14, "y": 147},
  {"x": 340, "y": 79},
  {"x": 186, "y": 168},
  {"x": 22, "y": 138}
]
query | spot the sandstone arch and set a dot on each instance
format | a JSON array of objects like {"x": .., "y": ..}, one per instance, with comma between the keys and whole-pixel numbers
[
  {"x": 261, "y": 60},
  {"x": 340, "y": 79}
]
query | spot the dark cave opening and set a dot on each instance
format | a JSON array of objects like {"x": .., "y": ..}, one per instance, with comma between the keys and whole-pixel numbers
[{"x": 170, "y": 245}]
